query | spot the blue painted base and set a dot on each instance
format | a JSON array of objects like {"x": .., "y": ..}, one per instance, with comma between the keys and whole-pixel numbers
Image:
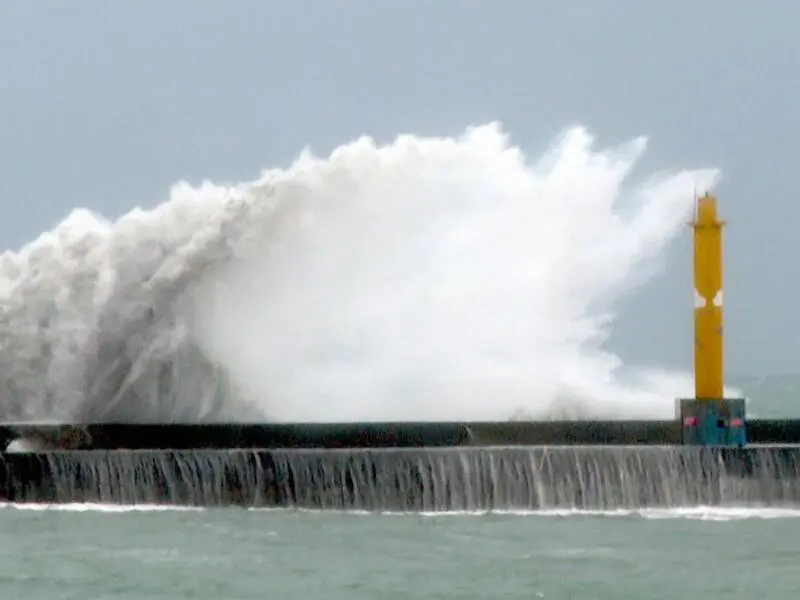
[{"x": 713, "y": 422}]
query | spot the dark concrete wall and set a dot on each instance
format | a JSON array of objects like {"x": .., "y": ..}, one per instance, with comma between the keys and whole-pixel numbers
[{"x": 379, "y": 435}]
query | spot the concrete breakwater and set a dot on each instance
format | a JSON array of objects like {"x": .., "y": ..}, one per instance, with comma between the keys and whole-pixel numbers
[{"x": 412, "y": 479}]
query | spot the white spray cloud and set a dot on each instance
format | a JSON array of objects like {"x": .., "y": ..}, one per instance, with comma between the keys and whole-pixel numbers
[
  {"x": 448, "y": 279},
  {"x": 430, "y": 278}
]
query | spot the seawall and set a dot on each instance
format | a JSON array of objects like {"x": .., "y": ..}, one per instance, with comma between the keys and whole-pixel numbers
[
  {"x": 412, "y": 479},
  {"x": 176, "y": 436}
]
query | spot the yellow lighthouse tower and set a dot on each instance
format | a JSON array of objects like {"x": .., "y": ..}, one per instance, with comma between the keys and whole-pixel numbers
[{"x": 709, "y": 419}]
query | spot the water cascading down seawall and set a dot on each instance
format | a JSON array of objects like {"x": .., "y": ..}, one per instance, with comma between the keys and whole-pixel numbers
[
  {"x": 431, "y": 478},
  {"x": 709, "y": 454}
]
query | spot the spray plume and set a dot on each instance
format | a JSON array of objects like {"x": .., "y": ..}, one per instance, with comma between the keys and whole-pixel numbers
[{"x": 426, "y": 279}]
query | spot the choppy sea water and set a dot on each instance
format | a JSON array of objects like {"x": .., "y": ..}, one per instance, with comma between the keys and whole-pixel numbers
[{"x": 90, "y": 552}]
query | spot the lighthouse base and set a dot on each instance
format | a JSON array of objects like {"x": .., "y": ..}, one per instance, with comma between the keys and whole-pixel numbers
[{"x": 713, "y": 421}]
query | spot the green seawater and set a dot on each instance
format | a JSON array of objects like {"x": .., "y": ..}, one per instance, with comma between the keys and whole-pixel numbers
[
  {"x": 104, "y": 553},
  {"x": 288, "y": 555}
]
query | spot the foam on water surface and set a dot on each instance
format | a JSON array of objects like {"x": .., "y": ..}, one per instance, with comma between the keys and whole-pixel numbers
[
  {"x": 700, "y": 513},
  {"x": 95, "y": 507}
]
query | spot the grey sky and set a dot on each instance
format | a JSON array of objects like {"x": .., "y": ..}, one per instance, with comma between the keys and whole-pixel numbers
[{"x": 105, "y": 104}]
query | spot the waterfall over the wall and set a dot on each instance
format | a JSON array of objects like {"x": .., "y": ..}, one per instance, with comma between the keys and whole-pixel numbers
[{"x": 446, "y": 479}]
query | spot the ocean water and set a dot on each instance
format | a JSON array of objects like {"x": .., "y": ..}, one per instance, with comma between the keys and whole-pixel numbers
[{"x": 85, "y": 552}]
